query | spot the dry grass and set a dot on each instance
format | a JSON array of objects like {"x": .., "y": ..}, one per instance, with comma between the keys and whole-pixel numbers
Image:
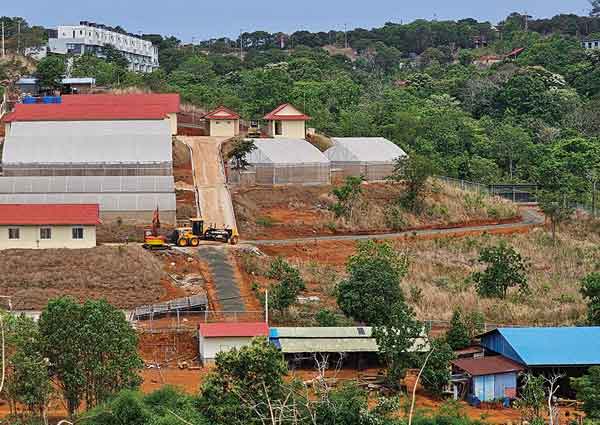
[
  {"x": 288, "y": 211},
  {"x": 125, "y": 276},
  {"x": 438, "y": 280},
  {"x": 320, "y": 141}
]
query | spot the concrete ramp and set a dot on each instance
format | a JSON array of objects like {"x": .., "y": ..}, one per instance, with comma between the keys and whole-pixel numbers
[
  {"x": 224, "y": 277},
  {"x": 214, "y": 198}
]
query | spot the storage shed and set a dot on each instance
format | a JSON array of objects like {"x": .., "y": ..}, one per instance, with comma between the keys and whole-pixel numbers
[
  {"x": 223, "y": 122},
  {"x": 371, "y": 157},
  {"x": 487, "y": 378},
  {"x": 286, "y": 161},
  {"x": 286, "y": 121},
  {"x": 214, "y": 338}
]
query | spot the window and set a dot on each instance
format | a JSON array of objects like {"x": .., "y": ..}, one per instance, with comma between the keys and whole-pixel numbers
[
  {"x": 45, "y": 233},
  {"x": 14, "y": 233},
  {"x": 77, "y": 232},
  {"x": 278, "y": 128}
]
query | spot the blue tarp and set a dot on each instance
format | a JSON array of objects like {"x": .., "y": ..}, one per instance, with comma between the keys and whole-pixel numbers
[{"x": 546, "y": 346}]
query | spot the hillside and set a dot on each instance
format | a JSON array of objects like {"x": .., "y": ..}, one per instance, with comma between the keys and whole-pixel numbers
[
  {"x": 292, "y": 211},
  {"x": 438, "y": 277}
]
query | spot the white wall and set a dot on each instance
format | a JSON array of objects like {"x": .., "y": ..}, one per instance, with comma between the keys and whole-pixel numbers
[
  {"x": 61, "y": 237},
  {"x": 224, "y": 128},
  {"x": 289, "y": 130},
  {"x": 209, "y": 347}
]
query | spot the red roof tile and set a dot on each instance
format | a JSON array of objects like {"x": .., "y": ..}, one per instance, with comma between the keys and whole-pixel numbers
[
  {"x": 228, "y": 114},
  {"x": 99, "y": 107},
  {"x": 275, "y": 116},
  {"x": 488, "y": 365},
  {"x": 212, "y": 330},
  {"x": 37, "y": 214}
]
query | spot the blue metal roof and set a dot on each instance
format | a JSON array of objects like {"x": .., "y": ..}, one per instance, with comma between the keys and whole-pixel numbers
[{"x": 546, "y": 346}]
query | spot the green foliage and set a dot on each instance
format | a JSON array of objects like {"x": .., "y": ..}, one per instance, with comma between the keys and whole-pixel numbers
[
  {"x": 458, "y": 335},
  {"x": 556, "y": 207},
  {"x": 533, "y": 398},
  {"x": 505, "y": 269},
  {"x": 243, "y": 378},
  {"x": 92, "y": 349},
  {"x": 105, "y": 73},
  {"x": 327, "y": 318},
  {"x": 414, "y": 171},
  {"x": 373, "y": 283},
  {"x": 438, "y": 371},
  {"x": 285, "y": 291},
  {"x": 239, "y": 152},
  {"x": 50, "y": 72},
  {"x": 348, "y": 196},
  {"x": 590, "y": 290},
  {"x": 588, "y": 391}
]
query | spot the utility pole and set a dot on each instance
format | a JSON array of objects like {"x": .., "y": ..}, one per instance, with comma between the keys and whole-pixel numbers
[
  {"x": 267, "y": 307},
  {"x": 241, "y": 45},
  {"x": 526, "y": 22},
  {"x": 18, "y": 37},
  {"x": 3, "y": 50},
  {"x": 345, "y": 36}
]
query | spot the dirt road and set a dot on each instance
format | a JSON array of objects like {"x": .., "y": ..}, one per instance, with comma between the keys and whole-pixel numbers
[
  {"x": 209, "y": 178},
  {"x": 531, "y": 217}
]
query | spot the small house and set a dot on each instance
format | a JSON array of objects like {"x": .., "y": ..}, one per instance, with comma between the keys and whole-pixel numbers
[
  {"x": 286, "y": 121},
  {"x": 371, "y": 157},
  {"x": 45, "y": 226},
  {"x": 214, "y": 338},
  {"x": 223, "y": 122},
  {"x": 486, "y": 378}
]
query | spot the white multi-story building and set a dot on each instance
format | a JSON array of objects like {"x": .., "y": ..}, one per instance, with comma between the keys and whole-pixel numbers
[{"x": 88, "y": 37}]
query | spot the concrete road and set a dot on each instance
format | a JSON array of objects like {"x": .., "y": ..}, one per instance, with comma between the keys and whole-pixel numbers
[{"x": 214, "y": 198}]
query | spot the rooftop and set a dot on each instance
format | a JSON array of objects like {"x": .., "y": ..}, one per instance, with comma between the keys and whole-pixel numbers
[
  {"x": 567, "y": 346},
  {"x": 487, "y": 365},
  {"x": 286, "y": 112},
  {"x": 363, "y": 149},
  {"x": 285, "y": 151},
  {"x": 216, "y": 330},
  {"x": 222, "y": 113},
  {"x": 49, "y": 214}
]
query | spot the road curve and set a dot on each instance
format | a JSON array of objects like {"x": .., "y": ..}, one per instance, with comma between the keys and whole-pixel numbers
[{"x": 530, "y": 218}]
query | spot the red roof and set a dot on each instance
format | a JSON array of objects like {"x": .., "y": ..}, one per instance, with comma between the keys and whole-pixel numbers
[
  {"x": 275, "y": 115},
  {"x": 99, "y": 107},
  {"x": 212, "y": 330},
  {"x": 36, "y": 214},
  {"x": 488, "y": 365},
  {"x": 222, "y": 113}
]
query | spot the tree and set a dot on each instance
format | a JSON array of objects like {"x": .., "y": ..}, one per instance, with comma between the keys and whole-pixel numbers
[
  {"x": 458, "y": 335},
  {"x": 243, "y": 379},
  {"x": 373, "y": 283},
  {"x": 396, "y": 336},
  {"x": 239, "y": 152},
  {"x": 532, "y": 399},
  {"x": 588, "y": 391},
  {"x": 414, "y": 171},
  {"x": 555, "y": 206},
  {"x": 505, "y": 269},
  {"x": 284, "y": 293},
  {"x": 92, "y": 350},
  {"x": 438, "y": 371},
  {"x": 590, "y": 290},
  {"x": 115, "y": 57},
  {"x": 594, "y": 8},
  {"x": 348, "y": 196},
  {"x": 50, "y": 72}
]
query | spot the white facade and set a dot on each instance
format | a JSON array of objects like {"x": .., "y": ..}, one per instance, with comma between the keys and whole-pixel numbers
[
  {"x": 591, "y": 44},
  {"x": 47, "y": 237},
  {"x": 211, "y": 346},
  {"x": 90, "y": 38}
]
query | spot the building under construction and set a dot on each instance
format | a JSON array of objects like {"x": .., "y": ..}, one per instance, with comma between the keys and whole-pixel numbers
[{"x": 106, "y": 149}]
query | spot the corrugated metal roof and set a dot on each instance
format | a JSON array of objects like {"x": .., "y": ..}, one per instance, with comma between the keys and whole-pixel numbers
[
  {"x": 67, "y": 112},
  {"x": 109, "y": 202},
  {"x": 328, "y": 345},
  {"x": 88, "y": 184},
  {"x": 168, "y": 102},
  {"x": 88, "y": 142},
  {"x": 550, "y": 346},
  {"x": 285, "y": 151},
  {"x": 79, "y": 80},
  {"x": 233, "y": 329},
  {"x": 363, "y": 149},
  {"x": 490, "y": 365},
  {"x": 19, "y": 214},
  {"x": 322, "y": 332}
]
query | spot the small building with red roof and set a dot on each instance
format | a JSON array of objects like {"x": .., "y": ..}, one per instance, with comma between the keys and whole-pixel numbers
[
  {"x": 286, "y": 121},
  {"x": 45, "y": 226},
  {"x": 214, "y": 338},
  {"x": 223, "y": 122}
]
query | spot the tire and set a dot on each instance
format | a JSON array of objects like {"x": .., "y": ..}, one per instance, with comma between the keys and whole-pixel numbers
[
  {"x": 194, "y": 242},
  {"x": 182, "y": 242}
]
